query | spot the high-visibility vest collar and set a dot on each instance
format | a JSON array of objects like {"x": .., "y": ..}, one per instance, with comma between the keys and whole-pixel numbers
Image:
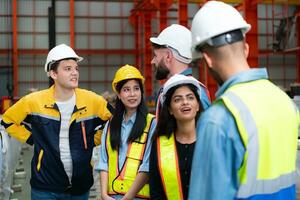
[
  {"x": 119, "y": 182},
  {"x": 169, "y": 167}
]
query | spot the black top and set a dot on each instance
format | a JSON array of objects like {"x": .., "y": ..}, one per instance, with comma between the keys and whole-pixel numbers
[{"x": 185, "y": 156}]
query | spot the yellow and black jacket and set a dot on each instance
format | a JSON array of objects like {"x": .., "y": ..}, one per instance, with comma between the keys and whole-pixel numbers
[{"x": 35, "y": 119}]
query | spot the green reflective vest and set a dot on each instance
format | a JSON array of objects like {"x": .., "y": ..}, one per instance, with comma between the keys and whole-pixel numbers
[
  {"x": 267, "y": 121},
  {"x": 169, "y": 167},
  {"x": 119, "y": 182}
]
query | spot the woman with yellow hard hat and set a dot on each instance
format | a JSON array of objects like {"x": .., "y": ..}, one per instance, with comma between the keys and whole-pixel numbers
[{"x": 126, "y": 140}]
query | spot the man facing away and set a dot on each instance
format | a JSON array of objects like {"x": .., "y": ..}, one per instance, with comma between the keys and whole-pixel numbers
[
  {"x": 172, "y": 55},
  {"x": 247, "y": 140},
  {"x": 61, "y": 122}
]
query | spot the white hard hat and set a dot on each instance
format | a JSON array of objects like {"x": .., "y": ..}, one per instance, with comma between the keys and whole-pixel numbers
[
  {"x": 60, "y": 52},
  {"x": 179, "y": 79},
  {"x": 178, "y": 38},
  {"x": 213, "y": 19}
]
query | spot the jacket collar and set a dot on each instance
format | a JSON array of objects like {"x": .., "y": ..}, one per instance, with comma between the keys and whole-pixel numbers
[{"x": 50, "y": 101}]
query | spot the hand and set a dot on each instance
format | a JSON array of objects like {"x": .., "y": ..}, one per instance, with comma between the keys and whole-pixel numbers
[{"x": 106, "y": 197}]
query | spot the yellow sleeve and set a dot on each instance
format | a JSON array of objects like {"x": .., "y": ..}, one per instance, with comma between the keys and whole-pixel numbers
[
  {"x": 97, "y": 137},
  {"x": 13, "y": 118},
  {"x": 102, "y": 108},
  {"x": 103, "y": 112}
]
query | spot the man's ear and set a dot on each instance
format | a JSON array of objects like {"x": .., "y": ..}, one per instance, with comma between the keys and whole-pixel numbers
[
  {"x": 169, "y": 55},
  {"x": 207, "y": 59},
  {"x": 246, "y": 50},
  {"x": 53, "y": 74}
]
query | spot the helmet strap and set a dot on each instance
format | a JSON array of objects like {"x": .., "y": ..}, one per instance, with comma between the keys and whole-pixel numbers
[{"x": 226, "y": 38}]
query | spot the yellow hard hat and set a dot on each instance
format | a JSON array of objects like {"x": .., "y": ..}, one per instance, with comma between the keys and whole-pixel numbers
[{"x": 124, "y": 73}]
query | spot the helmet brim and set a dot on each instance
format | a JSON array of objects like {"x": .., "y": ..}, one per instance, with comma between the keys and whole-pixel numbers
[{"x": 157, "y": 41}]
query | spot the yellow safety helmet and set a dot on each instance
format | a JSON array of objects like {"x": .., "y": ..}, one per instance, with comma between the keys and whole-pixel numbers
[{"x": 126, "y": 72}]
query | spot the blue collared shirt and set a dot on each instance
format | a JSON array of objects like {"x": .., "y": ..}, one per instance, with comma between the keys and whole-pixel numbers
[
  {"x": 219, "y": 151},
  {"x": 125, "y": 131}
]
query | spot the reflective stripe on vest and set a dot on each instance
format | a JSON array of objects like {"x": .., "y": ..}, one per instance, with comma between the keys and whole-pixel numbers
[
  {"x": 267, "y": 120},
  {"x": 169, "y": 167},
  {"x": 120, "y": 182}
]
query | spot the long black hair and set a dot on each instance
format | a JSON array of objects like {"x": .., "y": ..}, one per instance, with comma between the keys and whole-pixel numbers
[
  {"x": 116, "y": 121},
  {"x": 166, "y": 124}
]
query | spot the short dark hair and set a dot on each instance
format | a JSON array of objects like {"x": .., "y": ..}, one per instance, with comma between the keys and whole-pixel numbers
[{"x": 158, "y": 46}]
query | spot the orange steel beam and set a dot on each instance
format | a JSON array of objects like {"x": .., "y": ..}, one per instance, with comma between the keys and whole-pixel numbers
[
  {"x": 135, "y": 19},
  {"x": 163, "y": 17},
  {"x": 72, "y": 24},
  {"x": 203, "y": 1},
  {"x": 80, "y": 51},
  {"x": 147, "y": 53},
  {"x": 141, "y": 17},
  {"x": 15, "y": 48},
  {"x": 250, "y": 14},
  {"x": 290, "y": 2},
  {"x": 183, "y": 12},
  {"x": 137, "y": 41},
  {"x": 298, "y": 43}
]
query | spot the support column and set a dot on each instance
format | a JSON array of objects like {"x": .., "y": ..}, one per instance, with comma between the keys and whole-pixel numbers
[
  {"x": 72, "y": 24},
  {"x": 137, "y": 41},
  {"x": 163, "y": 14},
  {"x": 147, "y": 53},
  {"x": 250, "y": 14},
  {"x": 15, "y": 48},
  {"x": 298, "y": 43},
  {"x": 183, "y": 12}
]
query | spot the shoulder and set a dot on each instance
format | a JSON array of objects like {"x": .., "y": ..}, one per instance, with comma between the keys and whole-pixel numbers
[
  {"x": 83, "y": 93},
  {"x": 37, "y": 96},
  {"x": 217, "y": 118},
  {"x": 216, "y": 113}
]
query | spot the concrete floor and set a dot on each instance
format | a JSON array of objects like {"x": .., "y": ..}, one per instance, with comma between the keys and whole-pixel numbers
[{"x": 21, "y": 183}]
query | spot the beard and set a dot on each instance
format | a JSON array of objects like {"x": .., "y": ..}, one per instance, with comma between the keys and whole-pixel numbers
[{"x": 162, "y": 72}]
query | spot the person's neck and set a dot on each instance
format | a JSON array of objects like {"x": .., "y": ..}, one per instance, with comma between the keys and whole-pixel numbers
[
  {"x": 128, "y": 114},
  {"x": 235, "y": 68},
  {"x": 178, "y": 67},
  {"x": 62, "y": 94},
  {"x": 186, "y": 132}
]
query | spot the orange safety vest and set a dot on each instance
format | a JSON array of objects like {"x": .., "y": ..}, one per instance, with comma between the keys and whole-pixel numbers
[
  {"x": 119, "y": 182},
  {"x": 169, "y": 167}
]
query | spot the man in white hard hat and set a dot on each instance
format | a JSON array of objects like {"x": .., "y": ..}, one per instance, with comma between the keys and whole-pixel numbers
[
  {"x": 172, "y": 55},
  {"x": 247, "y": 140},
  {"x": 61, "y": 122}
]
